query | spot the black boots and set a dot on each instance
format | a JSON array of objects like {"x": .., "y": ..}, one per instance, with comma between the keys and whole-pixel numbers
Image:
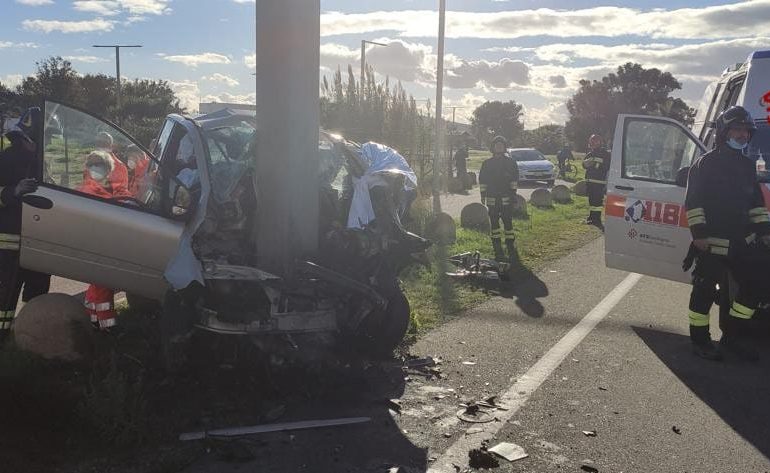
[
  {"x": 497, "y": 245},
  {"x": 735, "y": 340},
  {"x": 702, "y": 346}
]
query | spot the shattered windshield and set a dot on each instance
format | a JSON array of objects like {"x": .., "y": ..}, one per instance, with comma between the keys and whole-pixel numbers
[{"x": 232, "y": 152}]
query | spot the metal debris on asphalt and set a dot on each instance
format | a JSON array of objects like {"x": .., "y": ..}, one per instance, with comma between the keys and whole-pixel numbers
[
  {"x": 509, "y": 451},
  {"x": 589, "y": 469},
  {"x": 589, "y": 433},
  {"x": 481, "y": 458},
  {"x": 677, "y": 430},
  {"x": 259, "y": 429},
  {"x": 394, "y": 405},
  {"x": 469, "y": 363},
  {"x": 421, "y": 362},
  {"x": 472, "y": 413}
]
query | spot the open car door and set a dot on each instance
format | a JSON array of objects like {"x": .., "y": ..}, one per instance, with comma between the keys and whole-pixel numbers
[
  {"x": 125, "y": 242},
  {"x": 646, "y": 226}
]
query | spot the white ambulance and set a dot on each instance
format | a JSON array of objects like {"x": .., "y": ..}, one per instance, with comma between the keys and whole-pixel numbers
[{"x": 646, "y": 227}]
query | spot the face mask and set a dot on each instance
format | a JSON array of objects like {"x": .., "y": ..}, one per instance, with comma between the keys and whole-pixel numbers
[
  {"x": 131, "y": 164},
  {"x": 736, "y": 145},
  {"x": 97, "y": 173}
]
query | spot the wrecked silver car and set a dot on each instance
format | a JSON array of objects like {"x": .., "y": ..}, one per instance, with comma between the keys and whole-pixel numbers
[{"x": 183, "y": 232}]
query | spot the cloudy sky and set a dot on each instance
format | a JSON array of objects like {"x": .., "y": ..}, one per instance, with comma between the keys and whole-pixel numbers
[{"x": 531, "y": 51}]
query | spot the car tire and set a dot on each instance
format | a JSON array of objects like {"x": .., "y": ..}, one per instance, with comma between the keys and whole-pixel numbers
[
  {"x": 383, "y": 330},
  {"x": 142, "y": 304}
]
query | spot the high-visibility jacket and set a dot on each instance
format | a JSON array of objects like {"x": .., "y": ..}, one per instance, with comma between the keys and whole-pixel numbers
[
  {"x": 597, "y": 165},
  {"x": 498, "y": 177},
  {"x": 724, "y": 200},
  {"x": 15, "y": 165}
]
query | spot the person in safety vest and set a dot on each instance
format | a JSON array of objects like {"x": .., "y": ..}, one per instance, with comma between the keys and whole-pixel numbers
[
  {"x": 18, "y": 169},
  {"x": 728, "y": 219},
  {"x": 119, "y": 175},
  {"x": 138, "y": 165},
  {"x": 597, "y": 164},
  {"x": 498, "y": 183},
  {"x": 98, "y": 182}
]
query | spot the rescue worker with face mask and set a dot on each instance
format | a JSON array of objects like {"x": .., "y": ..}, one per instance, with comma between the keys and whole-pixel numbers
[
  {"x": 498, "y": 183},
  {"x": 17, "y": 170},
  {"x": 727, "y": 217},
  {"x": 597, "y": 164},
  {"x": 97, "y": 181}
]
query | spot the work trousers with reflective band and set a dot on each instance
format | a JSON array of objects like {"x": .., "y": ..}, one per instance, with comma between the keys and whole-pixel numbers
[
  {"x": 596, "y": 190},
  {"x": 9, "y": 288},
  {"x": 501, "y": 208},
  {"x": 100, "y": 305},
  {"x": 711, "y": 270}
]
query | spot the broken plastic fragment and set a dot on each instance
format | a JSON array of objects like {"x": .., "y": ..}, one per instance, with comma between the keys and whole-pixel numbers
[{"x": 509, "y": 451}]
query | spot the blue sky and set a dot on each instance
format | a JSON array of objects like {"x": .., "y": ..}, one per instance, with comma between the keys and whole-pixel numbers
[{"x": 531, "y": 51}]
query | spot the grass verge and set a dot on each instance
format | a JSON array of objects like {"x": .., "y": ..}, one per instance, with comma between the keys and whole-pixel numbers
[{"x": 547, "y": 235}]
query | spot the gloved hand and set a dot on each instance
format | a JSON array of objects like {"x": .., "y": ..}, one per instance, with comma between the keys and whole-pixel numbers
[
  {"x": 25, "y": 186},
  {"x": 702, "y": 244}
]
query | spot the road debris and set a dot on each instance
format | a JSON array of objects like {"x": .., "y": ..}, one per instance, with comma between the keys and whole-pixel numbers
[
  {"x": 422, "y": 362},
  {"x": 260, "y": 429},
  {"x": 394, "y": 405},
  {"x": 602, "y": 388},
  {"x": 481, "y": 458},
  {"x": 589, "y": 469},
  {"x": 589, "y": 433},
  {"x": 509, "y": 451},
  {"x": 677, "y": 430},
  {"x": 474, "y": 414},
  {"x": 447, "y": 435},
  {"x": 469, "y": 363}
]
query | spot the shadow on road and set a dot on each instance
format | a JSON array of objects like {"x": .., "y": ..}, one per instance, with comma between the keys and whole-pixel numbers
[
  {"x": 524, "y": 286},
  {"x": 737, "y": 392}
]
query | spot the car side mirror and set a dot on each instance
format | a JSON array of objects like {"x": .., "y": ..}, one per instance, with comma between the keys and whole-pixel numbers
[{"x": 681, "y": 176}]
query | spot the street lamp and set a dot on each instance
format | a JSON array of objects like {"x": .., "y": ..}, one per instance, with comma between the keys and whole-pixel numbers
[
  {"x": 439, "y": 96},
  {"x": 117, "y": 68},
  {"x": 363, "y": 61}
]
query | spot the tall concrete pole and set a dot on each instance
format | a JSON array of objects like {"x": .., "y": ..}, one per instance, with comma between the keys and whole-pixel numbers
[
  {"x": 288, "y": 45},
  {"x": 439, "y": 97},
  {"x": 117, "y": 47}
]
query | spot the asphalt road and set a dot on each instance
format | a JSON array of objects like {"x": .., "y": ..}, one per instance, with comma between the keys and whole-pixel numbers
[{"x": 631, "y": 379}]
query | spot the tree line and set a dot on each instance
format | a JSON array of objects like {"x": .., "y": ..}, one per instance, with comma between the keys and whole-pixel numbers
[{"x": 145, "y": 103}]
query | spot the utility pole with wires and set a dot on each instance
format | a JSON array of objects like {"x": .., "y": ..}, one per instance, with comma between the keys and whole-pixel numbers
[
  {"x": 439, "y": 97},
  {"x": 117, "y": 71}
]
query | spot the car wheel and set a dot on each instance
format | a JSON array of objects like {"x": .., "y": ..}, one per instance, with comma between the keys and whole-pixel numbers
[
  {"x": 383, "y": 330},
  {"x": 142, "y": 304}
]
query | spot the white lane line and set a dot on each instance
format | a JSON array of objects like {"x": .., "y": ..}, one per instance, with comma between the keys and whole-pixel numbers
[{"x": 525, "y": 386}]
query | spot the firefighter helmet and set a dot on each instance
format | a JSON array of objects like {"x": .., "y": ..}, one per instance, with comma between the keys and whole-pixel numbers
[{"x": 735, "y": 116}]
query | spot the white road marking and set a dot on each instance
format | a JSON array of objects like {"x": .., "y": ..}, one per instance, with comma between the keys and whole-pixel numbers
[{"x": 518, "y": 394}]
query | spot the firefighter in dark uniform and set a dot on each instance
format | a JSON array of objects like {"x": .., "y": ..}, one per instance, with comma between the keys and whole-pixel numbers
[
  {"x": 17, "y": 168},
  {"x": 597, "y": 164},
  {"x": 498, "y": 182},
  {"x": 727, "y": 217}
]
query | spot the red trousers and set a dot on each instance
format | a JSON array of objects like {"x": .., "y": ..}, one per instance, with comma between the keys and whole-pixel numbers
[{"x": 100, "y": 304}]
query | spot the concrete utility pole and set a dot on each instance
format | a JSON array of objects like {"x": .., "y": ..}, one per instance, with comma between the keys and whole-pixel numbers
[
  {"x": 363, "y": 62},
  {"x": 288, "y": 51},
  {"x": 117, "y": 69},
  {"x": 439, "y": 96}
]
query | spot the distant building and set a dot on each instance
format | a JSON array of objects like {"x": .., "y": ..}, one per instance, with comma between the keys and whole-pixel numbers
[{"x": 211, "y": 107}]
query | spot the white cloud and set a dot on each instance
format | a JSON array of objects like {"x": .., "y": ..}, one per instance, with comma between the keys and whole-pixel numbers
[
  {"x": 35, "y": 3},
  {"x": 503, "y": 74},
  {"x": 721, "y": 21},
  {"x": 221, "y": 78},
  {"x": 250, "y": 98},
  {"x": 145, "y": 7},
  {"x": 9, "y": 44},
  {"x": 188, "y": 94},
  {"x": 98, "y": 7},
  {"x": 85, "y": 59},
  {"x": 251, "y": 60},
  {"x": 195, "y": 60},
  {"x": 50, "y": 26},
  {"x": 11, "y": 80}
]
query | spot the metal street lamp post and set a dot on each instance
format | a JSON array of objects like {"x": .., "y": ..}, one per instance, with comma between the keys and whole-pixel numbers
[
  {"x": 363, "y": 61},
  {"x": 117, "y": 69}
]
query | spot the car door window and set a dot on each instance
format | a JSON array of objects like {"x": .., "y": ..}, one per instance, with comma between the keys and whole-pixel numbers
[
  {"x": 656, "y": 150},
  {"x": 89, "y": 156}
]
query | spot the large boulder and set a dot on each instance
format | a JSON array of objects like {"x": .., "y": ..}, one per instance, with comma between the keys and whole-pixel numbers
[
  {"x": 541, "y": 198},
  {"x": 442, "y": 229},
  {"x": 520, "y": 207},
  {"x": 475, "y": 216},
  {"x": 561, "y": 194},
  {"x": 54, "y": 326},
  {"x": 580, "y": 188}
]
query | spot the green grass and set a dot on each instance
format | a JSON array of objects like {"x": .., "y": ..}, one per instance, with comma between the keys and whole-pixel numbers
[{"x": 546, "y": 236}]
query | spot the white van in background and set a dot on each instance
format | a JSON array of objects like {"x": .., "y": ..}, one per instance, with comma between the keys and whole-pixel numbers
[{"x": 646, "y": 227}]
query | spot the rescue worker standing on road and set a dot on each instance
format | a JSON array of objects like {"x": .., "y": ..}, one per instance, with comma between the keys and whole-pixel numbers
[
  {"x": 597, "y": 164},
  {"x": 726, "y": 213},
  {"x": 498, "y": 183},
  {"x": 17, "y": 168}
]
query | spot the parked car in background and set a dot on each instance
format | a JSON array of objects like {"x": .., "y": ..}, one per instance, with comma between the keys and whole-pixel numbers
[{"x": 533, "y": 165}]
